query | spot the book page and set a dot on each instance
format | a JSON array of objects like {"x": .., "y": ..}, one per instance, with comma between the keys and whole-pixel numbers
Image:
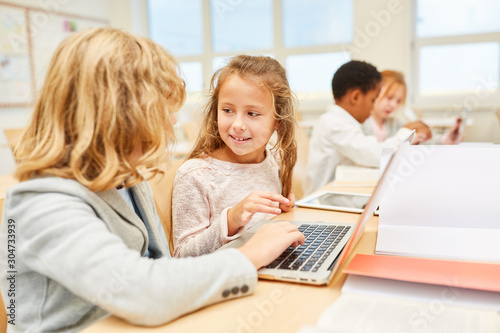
[
  {"x": 359, "y": 313},
  {"x": 450, "y": 295}
]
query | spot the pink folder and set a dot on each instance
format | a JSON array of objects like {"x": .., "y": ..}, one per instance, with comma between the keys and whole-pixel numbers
[{"x": 472, "y": 275}]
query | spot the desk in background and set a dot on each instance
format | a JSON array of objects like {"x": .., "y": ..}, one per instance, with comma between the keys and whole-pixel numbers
[{"x": 275, "y": 306}]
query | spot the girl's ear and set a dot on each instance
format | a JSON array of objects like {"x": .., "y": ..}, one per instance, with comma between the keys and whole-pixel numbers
[{"x": 277, "y": 125}]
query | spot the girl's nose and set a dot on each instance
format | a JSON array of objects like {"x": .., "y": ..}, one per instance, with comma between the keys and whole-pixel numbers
[
  {"x": 239, "y": 123},
  {"x": 394, "y": 103}
]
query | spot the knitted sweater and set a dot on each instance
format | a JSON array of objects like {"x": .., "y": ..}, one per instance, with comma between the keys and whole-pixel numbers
[{"x": 204, "y": 190}]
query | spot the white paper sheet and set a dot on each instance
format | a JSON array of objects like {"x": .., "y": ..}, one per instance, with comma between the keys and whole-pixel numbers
[
  {"x": 447, "y": 187},
  {"x": 357, "y": 313}
]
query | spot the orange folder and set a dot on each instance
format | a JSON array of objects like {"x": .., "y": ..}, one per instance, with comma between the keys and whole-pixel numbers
[{"x": 472, "y": 275}]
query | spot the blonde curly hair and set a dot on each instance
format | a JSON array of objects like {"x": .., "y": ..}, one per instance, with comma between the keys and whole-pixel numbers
[{"x": 106, "y": 94}]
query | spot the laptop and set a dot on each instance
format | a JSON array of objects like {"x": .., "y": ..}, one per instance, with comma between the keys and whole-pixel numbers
[{"x": 327, "y": 244}]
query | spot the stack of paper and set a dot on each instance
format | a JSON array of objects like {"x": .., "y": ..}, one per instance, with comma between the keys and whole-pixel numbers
[{"x": 395, "y": 294}]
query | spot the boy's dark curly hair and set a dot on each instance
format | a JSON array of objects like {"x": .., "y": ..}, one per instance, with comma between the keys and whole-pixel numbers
[{"x": 354, "y": 74}]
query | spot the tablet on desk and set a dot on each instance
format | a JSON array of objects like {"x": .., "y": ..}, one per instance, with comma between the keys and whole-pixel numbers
[{"x": 332, "y": 200}]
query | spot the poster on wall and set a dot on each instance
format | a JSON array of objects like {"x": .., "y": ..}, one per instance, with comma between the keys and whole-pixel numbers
[
  {"x": 28, "y": 38},
  {"x": 15, "y": 65},
  {"x": 47, "y": 37}
]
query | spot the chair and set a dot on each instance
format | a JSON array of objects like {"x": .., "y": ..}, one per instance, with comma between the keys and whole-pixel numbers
[
  {"x": 13, "y": 135},
  {"x": 6, "y": 181},
  {"x": 300, "y": 169},
  {"x": 162, "y": 190},
  {"x": 3, "y": 313},
  {"x": 191, "y": 130}
]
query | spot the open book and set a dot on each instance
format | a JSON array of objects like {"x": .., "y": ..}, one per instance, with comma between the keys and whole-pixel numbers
[
  {"x": 443, "y": 202},
  {"x": 349, "y": 175},
  {"x": 386, "y": 304}
]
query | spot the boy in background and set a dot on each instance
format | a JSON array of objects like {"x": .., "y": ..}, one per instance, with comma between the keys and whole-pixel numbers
[{"x": 338, "y": 137}]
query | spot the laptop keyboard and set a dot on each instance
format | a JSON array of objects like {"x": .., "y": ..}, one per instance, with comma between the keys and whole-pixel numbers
[{"x": 321, "y": 240}]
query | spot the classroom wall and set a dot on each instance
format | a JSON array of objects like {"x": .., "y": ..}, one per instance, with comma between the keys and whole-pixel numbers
[{"x": 382, "y": 37}]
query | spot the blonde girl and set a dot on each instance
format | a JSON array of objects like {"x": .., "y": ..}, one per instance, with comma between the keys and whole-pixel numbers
[
  {"x": 233, "y": 177},
  {"x": 88, "y": 240},
  {"x": 385, "y": 122}
]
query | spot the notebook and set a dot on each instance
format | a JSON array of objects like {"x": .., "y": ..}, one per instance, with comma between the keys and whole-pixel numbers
[
  {"x": 327, "y": 245},
  {"x": 443, "y": 203}
]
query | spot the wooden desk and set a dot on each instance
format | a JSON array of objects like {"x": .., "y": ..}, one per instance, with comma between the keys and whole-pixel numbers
[{"x": 275, "y": 306}]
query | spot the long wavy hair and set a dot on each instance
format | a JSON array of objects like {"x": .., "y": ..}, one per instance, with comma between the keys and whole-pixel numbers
[
  {"x": 267, "y": 72},
  {"x": 106, "y": 94}
]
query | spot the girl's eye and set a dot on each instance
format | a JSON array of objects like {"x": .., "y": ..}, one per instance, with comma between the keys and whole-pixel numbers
[
  {"x": 253, "y": 114},
  {"x": 226, "y": 110}
]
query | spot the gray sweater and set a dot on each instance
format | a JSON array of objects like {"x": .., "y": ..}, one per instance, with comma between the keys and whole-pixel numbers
[{"x": 79, "y": 258}]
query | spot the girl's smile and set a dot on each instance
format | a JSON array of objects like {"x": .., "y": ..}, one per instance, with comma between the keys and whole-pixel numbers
[{"x": 245, "y": 119}]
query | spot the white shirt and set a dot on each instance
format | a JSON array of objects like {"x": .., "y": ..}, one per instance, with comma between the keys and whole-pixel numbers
[{"x": 338, "y": 138}]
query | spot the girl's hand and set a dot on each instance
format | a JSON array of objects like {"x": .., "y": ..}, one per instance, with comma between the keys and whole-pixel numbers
[
  {"x": 256, "y": 202},
  {"x": 289, "y": 205},
  {"x": 270, "y": 241},
  {"x": 453, "y": 137}
]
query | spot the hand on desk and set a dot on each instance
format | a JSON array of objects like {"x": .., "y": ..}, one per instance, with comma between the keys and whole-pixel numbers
[
  {"x": 423, "y": 131},
  {"x": 270, "y": 241},
  {"x": 257, "y": 202}
]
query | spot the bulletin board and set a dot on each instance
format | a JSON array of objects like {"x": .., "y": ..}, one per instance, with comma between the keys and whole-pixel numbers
[{"x": 28, "y": 38}]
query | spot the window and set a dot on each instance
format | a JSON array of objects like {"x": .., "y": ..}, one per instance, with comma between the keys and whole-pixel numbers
[
  {"x": 177, "y": 25},
  {"x": 326, "y": 22},
  {"x": 460, "y": 59},
  {"x": 445, "y": 70},
  {"x": 309, "y": 37},
  {"x": 192, "y": 73},
  {"x": 463, "y": 17},
  {"x": 324, "y": 65},
  {"x": 248, "y": 25}
]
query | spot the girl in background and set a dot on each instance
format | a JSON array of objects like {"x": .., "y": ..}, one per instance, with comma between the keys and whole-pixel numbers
[
  {"x": 232, "y": 179},
  {"x": 384, "y": 121},
  {"x": 88, "y": 240}
]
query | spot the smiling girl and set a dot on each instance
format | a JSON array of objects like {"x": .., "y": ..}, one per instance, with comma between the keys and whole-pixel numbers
[
  {"x": 232, "y": 178},
  {"x": 384, "y": 121}
]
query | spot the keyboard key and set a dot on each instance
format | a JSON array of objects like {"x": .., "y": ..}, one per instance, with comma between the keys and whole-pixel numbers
[
  {"x": 319, "y": 244},
  {"x": 274, "y": 264}
]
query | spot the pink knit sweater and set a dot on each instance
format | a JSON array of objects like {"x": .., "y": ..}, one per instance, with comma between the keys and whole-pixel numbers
[{"x": 204, "y": 190}]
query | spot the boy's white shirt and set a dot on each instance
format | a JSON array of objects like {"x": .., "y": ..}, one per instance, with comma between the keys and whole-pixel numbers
[{"x": 338, "y": 138}]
